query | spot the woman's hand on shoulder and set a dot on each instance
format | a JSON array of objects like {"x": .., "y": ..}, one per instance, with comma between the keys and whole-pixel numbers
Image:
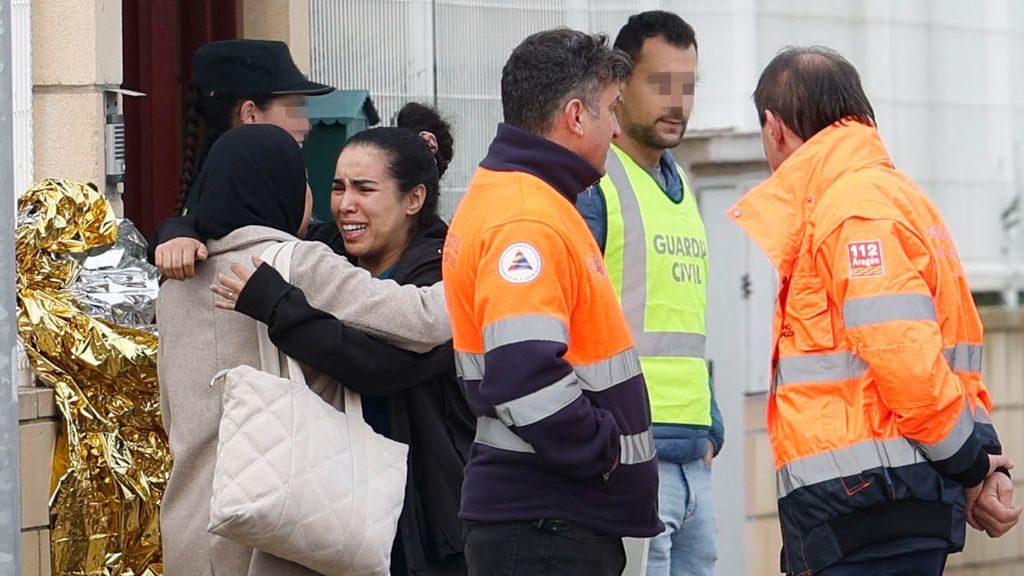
[
  {"x": 177, "y": 257},
  {"x": 230, "y": 288}
]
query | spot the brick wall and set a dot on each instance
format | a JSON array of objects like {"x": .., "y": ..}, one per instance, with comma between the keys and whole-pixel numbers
[{"x": 38, "y": 430}]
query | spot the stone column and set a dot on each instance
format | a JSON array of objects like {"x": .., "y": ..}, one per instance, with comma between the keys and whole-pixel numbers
[
  {"x": 285, "y": 20},
  {"x": 77, "y": 54}
]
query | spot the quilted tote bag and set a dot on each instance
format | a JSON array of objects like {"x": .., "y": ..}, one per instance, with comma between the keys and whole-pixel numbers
[{"x": 298, "y": 478}]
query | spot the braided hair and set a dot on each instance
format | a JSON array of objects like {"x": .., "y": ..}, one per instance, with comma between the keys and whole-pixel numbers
[{"x": 206, "y": 119}]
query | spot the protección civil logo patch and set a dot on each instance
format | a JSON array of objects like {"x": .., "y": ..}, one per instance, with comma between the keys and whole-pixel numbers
[
  {"x": 866, "y": 260},
  {"x": 519, "y": 263}
]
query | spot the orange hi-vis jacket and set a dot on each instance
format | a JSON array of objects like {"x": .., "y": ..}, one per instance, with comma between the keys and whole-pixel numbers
[
  {"x": 543, "y": 351},
  {"x": 877, "y": 414}
]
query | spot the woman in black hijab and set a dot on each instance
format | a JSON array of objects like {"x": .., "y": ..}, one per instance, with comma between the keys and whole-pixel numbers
[
  {"x": 255, "y": 197},
  {"x": 256, "y": 177}
]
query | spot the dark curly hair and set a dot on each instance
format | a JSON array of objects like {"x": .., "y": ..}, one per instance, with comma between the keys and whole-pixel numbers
[{"x": 419, "y": 118}]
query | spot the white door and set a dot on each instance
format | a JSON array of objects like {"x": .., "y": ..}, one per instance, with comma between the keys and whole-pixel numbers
[{"x": 741, "y": 291}]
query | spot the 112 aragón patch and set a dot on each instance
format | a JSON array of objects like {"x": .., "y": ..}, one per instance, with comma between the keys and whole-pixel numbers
[{"x": 866, "y": 259}]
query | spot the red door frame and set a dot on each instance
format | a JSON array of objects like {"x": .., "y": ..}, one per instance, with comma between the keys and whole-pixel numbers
[
  {"x": 204, "y": 21},
  {"x": 160, "y": 37}
]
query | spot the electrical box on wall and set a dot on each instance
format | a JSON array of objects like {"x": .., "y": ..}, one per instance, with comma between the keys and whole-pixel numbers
[
  {"x": 113, "y": 141},
  {"x": 114, "y": 148}
]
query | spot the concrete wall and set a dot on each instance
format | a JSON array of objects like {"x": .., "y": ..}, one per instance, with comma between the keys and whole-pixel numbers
[
  {"x": 76, "y": 55},
  {"x": 37, "y": 419},
  {"x": 285, "y": 20}
]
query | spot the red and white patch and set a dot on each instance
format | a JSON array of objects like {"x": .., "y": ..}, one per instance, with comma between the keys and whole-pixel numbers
[{"x": 866, "y": 260}]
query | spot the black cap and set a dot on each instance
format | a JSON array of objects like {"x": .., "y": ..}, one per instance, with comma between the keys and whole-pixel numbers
[{"x": 250, "y": 68}]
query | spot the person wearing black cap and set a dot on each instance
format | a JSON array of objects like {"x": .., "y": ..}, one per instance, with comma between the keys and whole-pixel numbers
[{"x": 237, "y": 82}]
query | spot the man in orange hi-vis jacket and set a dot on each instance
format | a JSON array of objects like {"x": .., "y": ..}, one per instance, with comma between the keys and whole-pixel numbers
[
  {"x": 563, "y": 464},
  {"x": 879, "y": 421}
]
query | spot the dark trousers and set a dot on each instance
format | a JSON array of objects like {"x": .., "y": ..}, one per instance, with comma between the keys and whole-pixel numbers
[
  {"x": 924, "y": 563},
  {"x": 541, "y": 548}
]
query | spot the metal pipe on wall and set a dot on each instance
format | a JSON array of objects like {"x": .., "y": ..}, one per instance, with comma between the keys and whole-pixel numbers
[{"x": 10, "y": 490}]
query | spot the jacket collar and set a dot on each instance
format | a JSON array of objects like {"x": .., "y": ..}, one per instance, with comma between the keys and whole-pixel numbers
[
  {"x": 669, "y": 170},
  {"x": 415, "y": 265},
  {"x": 516, "y": 150},
  {"x": 245, "y": 237},
  {"x": 775, "y": 212}
]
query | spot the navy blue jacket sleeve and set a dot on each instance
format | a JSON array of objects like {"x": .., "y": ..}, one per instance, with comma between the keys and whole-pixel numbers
[
  {"x": 717, "y": 423},
  {"x": 591, "y": 205}
]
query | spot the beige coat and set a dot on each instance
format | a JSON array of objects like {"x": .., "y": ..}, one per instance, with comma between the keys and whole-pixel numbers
[{"x": 198, "y": 340}]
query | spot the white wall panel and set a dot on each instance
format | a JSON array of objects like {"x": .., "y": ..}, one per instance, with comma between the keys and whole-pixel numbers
[
  {"x": 21, "y": 78},
  {"x": 941, "y": 75}
]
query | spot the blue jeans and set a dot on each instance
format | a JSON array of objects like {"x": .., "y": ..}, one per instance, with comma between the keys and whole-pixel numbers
[{"x": 686, "y": 505}]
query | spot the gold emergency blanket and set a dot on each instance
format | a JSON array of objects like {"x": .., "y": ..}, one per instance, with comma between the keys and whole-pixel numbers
[{"x": 112, "y": 458}]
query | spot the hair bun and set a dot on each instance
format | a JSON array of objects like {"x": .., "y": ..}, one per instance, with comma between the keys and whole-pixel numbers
[{"x": 422, "y": 118}]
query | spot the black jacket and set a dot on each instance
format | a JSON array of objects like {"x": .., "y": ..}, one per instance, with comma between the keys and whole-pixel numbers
[{"x": 428, "y": 409}]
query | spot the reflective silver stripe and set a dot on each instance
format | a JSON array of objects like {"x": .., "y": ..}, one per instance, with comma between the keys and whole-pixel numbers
[
  {"x": 954, "y": 440},
  {"x": 636, "y": 448},
  {"x": 523, "y": 329},
  {"x": 469, "y": 366},
  {"x": 981, "y": 415},
  {"x": 669, "y": 344},
  {"x": 846, "y": 365},
  {"x": 539, "y": 404},
  {"x": 964, "y": 357},
  {"x": 819, "y": 368},
  {"x": 634, "y": 275},
  {"x": 493, "y": 433},
  {"x": 878, "y": 309},
  {"x": 594, "y": 377},
  {"x": 605, "y": 374},
  {"x": 846, "y": 462}
]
